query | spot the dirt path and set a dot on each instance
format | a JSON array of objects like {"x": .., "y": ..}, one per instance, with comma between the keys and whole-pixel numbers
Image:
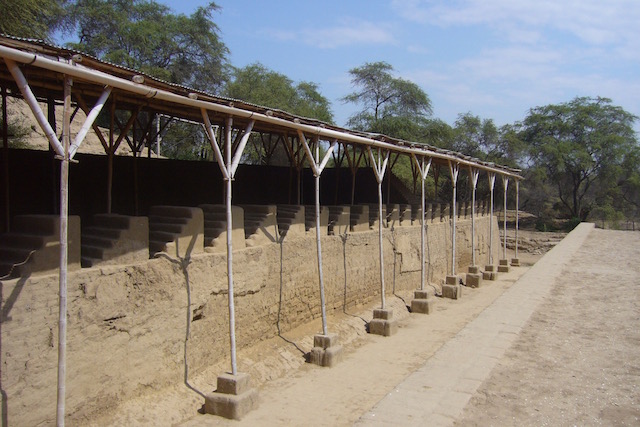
[
  {"x": 371, "y": 368},
  {"x": 576, "y": 361}
]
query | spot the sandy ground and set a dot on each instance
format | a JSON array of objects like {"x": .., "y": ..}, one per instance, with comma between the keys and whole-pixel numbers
[
  {"x": 576, "y": 362},
  {"x": 372, "y": 365}
]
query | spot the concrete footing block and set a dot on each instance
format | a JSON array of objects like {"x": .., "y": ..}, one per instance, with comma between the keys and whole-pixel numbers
[
  {"x": 515, "y": 262},
  {"x": 474, "y": 280},
  {"x": 503, "y": 267},
  {"x": 452, "y": 291},
  {"x": 234, "y": 397},
  {"x": 490, "y": 272},
  {"x": 422, "y": 302},
  {"x": 383, "y": 322},
  {"x": 422, "y": 306},
  {"x": 326, "y": 351},
  {"x": 474, "y": 269}
]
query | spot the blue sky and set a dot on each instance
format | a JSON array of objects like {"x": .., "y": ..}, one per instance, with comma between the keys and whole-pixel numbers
[{"x": 493, "y": 58}]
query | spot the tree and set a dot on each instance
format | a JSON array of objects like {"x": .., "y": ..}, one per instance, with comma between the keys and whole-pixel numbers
[
  {"x": 257, "y": 84},
  {"x": 390, "y": 105},
  {"x": 32, "y": 18},
  {"x": 581, "y": 146},
  {"x": 145, "y": 35}
]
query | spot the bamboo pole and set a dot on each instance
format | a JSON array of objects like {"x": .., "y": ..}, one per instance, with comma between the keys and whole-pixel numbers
[
  {"x": 517, "y": 213},
  {"x": 505, "y": 183},
  {"x": 454, "y": 168},
  {"x": 423, "y": 170},
  {"x": 474, "y": 181},
  {"x": 379, "y": 166},
  {"x": 232, "y": 311},
  {"x": 492, "y": 184},
  {"x": 64, "y": 227},
  {"x": 5, "y": 160}
]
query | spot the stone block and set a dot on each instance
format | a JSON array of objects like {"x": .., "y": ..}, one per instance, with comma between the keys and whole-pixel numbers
[
  {"x": 326, "y": 357},
  {"x": 490, "y": 275},
  {"x": 325, "y": 341},
  {"x": 452, "y": 280},
  {"x": 503, "y": 269},
  {"x": 474, "y": 269},
  {"x": 233, "y": 407},
  {"x": 474, "y": 280},
  {"x": 382, "y": 313},
  {"x": 452, "y": 291},
  {"x": 489, "y": 267},
  {"x": 422, "y": 306},
  {"x": 383, "y": 327},
  {"x": 234, "y": 397},
  {"x": 515, "y": 262},
  {"x": 423, "y": 294},
  {"x": 233, "y": 384}
]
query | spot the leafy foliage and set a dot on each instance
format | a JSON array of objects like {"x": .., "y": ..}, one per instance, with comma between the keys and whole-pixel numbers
[
  {"x": 392, "y": 106},
  {"x": 257, "y": 84},
  {"x": 32, "y": 18},
  {"x": 581, "y": 147},
  {"x": 145, "y": 35}
]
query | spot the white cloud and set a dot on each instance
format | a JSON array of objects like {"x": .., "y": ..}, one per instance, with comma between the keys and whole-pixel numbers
[
  {"x": 593, "y": 21},
  {"x": 347, "y": 33}
]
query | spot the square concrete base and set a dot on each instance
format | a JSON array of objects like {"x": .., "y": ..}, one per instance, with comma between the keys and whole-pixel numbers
[
  {"x": 489, "y": 275},
  {"x": 422, "y": 301},
  {"x": 234, "y": 397},
  {"x": 474, "y": 280},
  {"x": 515, "y": 262},
  {"x": 452, "y": 291},
  {"x": 325, "y": 351},
  {"x": 490, "y": 272},
  {"x": 452, "y": 280},
  {"x": 422, "y": 306},
  {"x": 474, "y": 269},
  {"x": 383, "y": 323},
  {"x": 503, "y": 267}
]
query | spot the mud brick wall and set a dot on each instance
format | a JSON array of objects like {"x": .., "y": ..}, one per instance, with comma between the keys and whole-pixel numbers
[{"x": 127, "y": 324}]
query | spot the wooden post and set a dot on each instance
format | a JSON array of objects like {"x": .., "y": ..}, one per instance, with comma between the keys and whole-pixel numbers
[{"x": 5, "y": 160}]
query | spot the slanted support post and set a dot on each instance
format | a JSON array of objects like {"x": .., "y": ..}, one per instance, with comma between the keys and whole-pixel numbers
[
  {"x": 382, "y": 322},
  {"x": 234, "y": 396}
]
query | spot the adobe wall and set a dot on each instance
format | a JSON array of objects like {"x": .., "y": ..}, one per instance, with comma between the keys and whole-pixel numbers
[{"x": 127, "y": 325}]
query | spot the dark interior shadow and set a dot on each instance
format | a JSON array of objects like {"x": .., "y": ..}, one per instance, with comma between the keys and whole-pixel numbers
[
  {"x": 280, "y": 242},
  {"x": 184, "y": 267}
]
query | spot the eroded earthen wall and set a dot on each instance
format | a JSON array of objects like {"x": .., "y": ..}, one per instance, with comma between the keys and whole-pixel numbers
[{"x": 127, "y": 325}]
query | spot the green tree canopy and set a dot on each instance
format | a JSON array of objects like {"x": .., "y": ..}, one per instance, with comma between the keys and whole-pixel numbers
[
  {"x": 257, "y": 84},
  {"x": 32, "y": 18},
  {"x": 147, "y": 36},
  {"x": 581, "y": 146},
  {"x": 390, "y": 105}
]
